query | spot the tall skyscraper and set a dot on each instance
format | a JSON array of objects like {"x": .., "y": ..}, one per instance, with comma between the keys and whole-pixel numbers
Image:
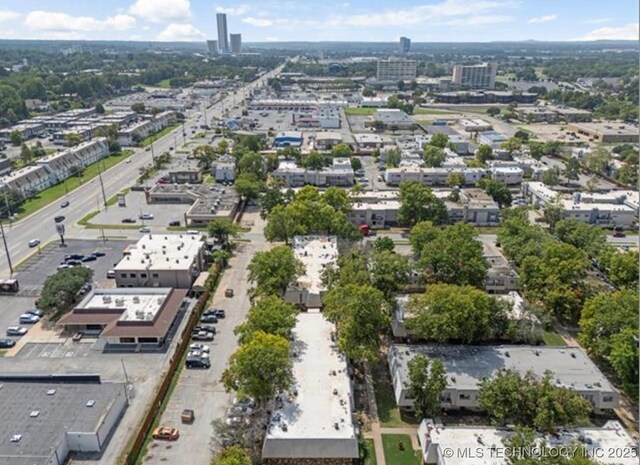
[
  {"x": 396, "y": 69},
  {"x": 475, "y": 76},
  {"x": 405, "y": 45},
  {"x": 223, "y": 37},
  {"x": 236, "y": 43},
  {"x": 212, "y": 47}
]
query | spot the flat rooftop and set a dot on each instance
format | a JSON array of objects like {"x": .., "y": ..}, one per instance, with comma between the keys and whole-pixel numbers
[
  {"x": 316, "y": 253},
  {"x": 141, "y": 305},
  {"x": 468, "y": 365},
  {"x": 315, "y": 420},
  {"x": 607, "y": 128},
  {"x": 162, "y": 252},
  {"x": 43, "y": 411}
]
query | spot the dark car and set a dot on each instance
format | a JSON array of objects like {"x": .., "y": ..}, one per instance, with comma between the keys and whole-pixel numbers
[
  {"x": 208, "y": 319},
  {"x": 64, "y": 204},
  {"x": 89, "y": 258},
  {"x": 98, "y": 254},
  {"x": 58, "y": 219},
  {"x": 73, "y": 262},
  {"x": 197, "y": 362},
  {"x": 7, "y": 343},
  {"x": 73, "y": 256},
  {"x": 128, "y": 220},
  {"x": 36, "y": 312},
  {"x": 208, "y": 328},
  {"x": 618, "y": 234},
  {"x": 219, "y": 313},
  {"x": 174, "y": 223}
]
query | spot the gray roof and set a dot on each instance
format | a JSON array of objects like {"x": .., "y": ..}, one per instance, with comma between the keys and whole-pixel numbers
[
  {"x": 64, "y": 411},
  {"x": 468, "y": 365}
]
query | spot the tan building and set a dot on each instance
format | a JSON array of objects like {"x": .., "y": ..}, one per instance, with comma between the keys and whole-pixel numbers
[{"x": 606, "y": 132}]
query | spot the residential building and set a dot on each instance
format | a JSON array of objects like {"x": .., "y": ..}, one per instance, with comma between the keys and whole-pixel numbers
[
  {"x": 491, "y": 138},
  {"x": 609, "y": 132},
  {"x": 236, "y": 43},
  {"x": 49, "y": 417},
  {"x": 5, "y": 166},
  {"x": 475, "y": 76},
  {"x": 212, "y": 47},
  {"x": 467, "y": 366},
  {"x": 484, "y": 96},
  {"x": 475, "y": 125},
  {"x": 27, "y": 130},
  {"x": 460, "y": 144},
  {"x": 185, "y": 172},
  {"x": 326, "y": 140},
  {"x": 64, "y": 164},
  {"x": 292, "y": 175},
  {"x": 405, "y": 45},
  {"x": 288, "y": 139},
  {"x": 316, "y": 253},
  {"x": 431, "y": 176},
  {"x": 224, "y": 168},
  {"x": 161, "y": 260},
  {"x": 223, "y": 36},
  {"x": 28, "y": 180},
  {"x": 501, "y": 277},
  {"x": 395, "y": 69},
  {"x": 127, "y": 316},
  {"x": 472, "y": 444},
  {"x": 510, "y": 175},
  {"x": 314, "y": 420}
]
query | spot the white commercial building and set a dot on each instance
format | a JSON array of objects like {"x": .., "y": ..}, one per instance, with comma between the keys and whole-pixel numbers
[
  {"x": 475, "y": 76},
  {"x": 28, "y": 180},
  {"x": 475, "y": 125},
  {"x": 432, "y": 176},
  {"x": 292, "y": 175},
  {"x": 316, "y": 254},
  {"x": 396, "y": 69},
  {"x": 224, "y": 168},
  {"x": 161, "y": 260},
  {"x": 507, "y": 174},
  {"x": 609, "y": 444},
  {"x": 393, "y": 117},
  {"x": 467, "y": 366},
  {"x": 492, "y": 139},
  {"x": 314, "y": 420}
]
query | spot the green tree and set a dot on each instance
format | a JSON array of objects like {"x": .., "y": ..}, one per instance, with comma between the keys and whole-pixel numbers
[
  {"x": 73, "y": 139},
  {"x": 26, "y": 155},
  {"x": 233, "y": 455},
  {"x": 223, "y": 147},
  {"x": 356, "y": 164},
  {"x": 138, "y": 107},
  {"x": 273, "y": 271},
  {"x": 511, "y": 398},
  {"x": 598, "y": 160},
  {"x": 100, "y": 109},
  {"x": 421, "y": 234},
  {"x": 205, "y": 155},
  {"x": 522, "y": 135},
  {"x": 493, "y": 111},
  {"x": 383, "y": 243},
  {"x": 377, "y": 126},
  {"x": 455, "y": 257},
  {"x": 353, "y": 268},
  {"x": 623, "y": 357},
  {"x": 223, "y": 228},
  {"x": 337, "y": 198},
  {"x": 484, "y": 153},
  {"x": 248, "y": 185},
  {"x": 282, "y": 225},
  {"x": 498, "y": 191},
  {"x": 16, "y": 138},
  {"x": 359, "y": 313},
  {"x": 260, "y": 368},
  {"x": 455, "y": 179},
  {"x": 439, "y": 140},
  {"x": 518, "y": 237},
  {"x": 341, "y": 150},
  {"x": 552, "y": 147},
  {"x": 427, "y": 380},
  {"x": 389, "y": 271},
  {"x": 251, "y": 162},
  {"x": 433, "y": 156},
  {"x": 418, "y": 203},
  {"x": 622, "y": 268},
  {"x": 448, "y": 313},
  {"x": 271, "y": 315},
  {"x": 550, "y": 177},
  {"x": 536, "y": 149},
  {"x": 512, "y": 144},
  {"x": 60, "y": 291},
  {"x": 314, "y": 161},
  {"x": 393, "y": 158},
  {"x": 581, "y": 235},
  {"x": 572, "y": 169}
]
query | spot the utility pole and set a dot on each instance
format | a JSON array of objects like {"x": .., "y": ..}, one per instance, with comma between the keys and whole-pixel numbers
[
  {"x": 6, "y": 248},
  {"x": 153, "y": 156},
  {"x": 102, "y": 187}
]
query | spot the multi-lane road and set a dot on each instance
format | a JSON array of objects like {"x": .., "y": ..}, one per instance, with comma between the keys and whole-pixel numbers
[{"x": 87, "y": 197}]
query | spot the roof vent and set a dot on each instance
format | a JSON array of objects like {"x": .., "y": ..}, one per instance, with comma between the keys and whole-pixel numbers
[
  {"x": 335, "y": 391},
  {"x": 336, "y": 425},
  {"x": 51, "y": 392},
  {"x": 573, "y": 355},
  {"x": 34, "y": 414},
  {"x": 91, "y": 403},
  {"x": 284, "y": 426}
]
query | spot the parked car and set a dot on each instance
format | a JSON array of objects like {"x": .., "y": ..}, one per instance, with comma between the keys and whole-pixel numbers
[
  {"x": 73, "y": 256},
  {"x": 146, "y": 216},
  {"x": 196, "y": 362},
  {"x": 16, "y": 331},
  {"x": 73, "y": 262},
  {"x": 174, "y": 223},
  {"x": 145, "y": 229},
  {"x": 208, "y": 319},
  {"x": 128, "y": 220},
  {"x": 187, "y": 416},
  {"x": 58, "y": 219},
  {"x": 618, "y": 234},
  {"x": 28, "y": 319},
  {"x": 34, "y": 242},
  {"x": 90, "y": 258},
  {"x": 202, "y": 336},
  {"x": 217, "y": 312},
  {"x": 64, "y": 204},
  {"x": 111, "y": 274},
  {"x": 204, "y": 327},
  {"x": 228, "y": 293},
  {"x": 166, "y": 433},
  {"x": 200, "y": 347},
  {"x": 98, "y": 254},
  {"x": 36, "y": 312},
  {"x": 197, "y": 354},
  {"x": 63, "y": 266},
  {"x": 7, "y": 343}
]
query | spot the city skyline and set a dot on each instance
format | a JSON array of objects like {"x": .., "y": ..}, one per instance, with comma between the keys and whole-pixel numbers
[{"x": 448, "y": 20}]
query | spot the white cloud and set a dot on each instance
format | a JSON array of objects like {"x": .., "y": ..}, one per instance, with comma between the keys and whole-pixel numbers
[
  {"x": 460, "y": 11},
  {"x": 543, "y": 19},
  {"x": 233, "y": 11},
  {"x": 50, "y": 21},
  {"x": 628, "y": 32},
  {"x": 598, "y": 21},
  {"x": 8, "y": 15},
  {"x": 160, "y": 11},
  {"x": 479, "y": 20},
  {"x": 176, "y": 32},
  {"x": 272, "y": 39},
  {"x": 258, "y": 22}
]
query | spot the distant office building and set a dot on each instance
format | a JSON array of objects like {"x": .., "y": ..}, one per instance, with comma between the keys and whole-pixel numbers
[
  {"x": 236, "y": 43},
  {"x": 396, "y": 69},
  {"x": 212, "y": 47},
  {"x": 475, "y": 76},
  {"x": 405, "y": 44},
  {"x": 223, "y": 37}
]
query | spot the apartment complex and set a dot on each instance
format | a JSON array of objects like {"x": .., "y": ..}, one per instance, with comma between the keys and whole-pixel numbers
[
  {"x": 475, "y": 76},
  {"x": 396, "y": 69},
  {"x": 223, "y": 36},
  {"x": 467, "y": 366},
  {"x": 161, "y": 260},
  {"x": 339, "y": 174}
]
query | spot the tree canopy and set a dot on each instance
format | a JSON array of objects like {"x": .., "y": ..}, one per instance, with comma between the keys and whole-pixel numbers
[
  {"x": 271, "y": 315},
  {"x": 273, "y": 271},
  {"x": 418, "y": 203},
  {"x": 427, "y": 380},
  {"x": 61, "y": 290},
  {"x": 234, "y": 455}
]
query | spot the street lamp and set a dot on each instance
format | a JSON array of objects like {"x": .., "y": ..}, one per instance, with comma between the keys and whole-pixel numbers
[{"x": 6, "y": 248}]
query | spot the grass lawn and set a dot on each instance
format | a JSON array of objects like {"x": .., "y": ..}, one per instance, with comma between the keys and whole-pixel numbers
[
  {"x": 430, "y": 111},
  {"x": 388, "y": 411},
  {"x": 368, "y": 453},
  {"x": 553, "y": 339},
  {"x": 153, "y": 137},
  {"x": 396, "y": 454},
  {"x": 357, "y": 111},
  {"x": 4, "y": 352},
  {"x": 58, "y": 191},
  {"x": 164, "y": 84}
]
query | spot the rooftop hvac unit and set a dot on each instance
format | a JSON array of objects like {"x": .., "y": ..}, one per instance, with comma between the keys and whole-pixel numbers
[
  {"x": 106, "y": 299},
  {"x": 119, "y": 302},
  {"x": 136, "y": 299}
]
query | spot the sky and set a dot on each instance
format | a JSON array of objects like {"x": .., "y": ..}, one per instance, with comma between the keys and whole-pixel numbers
[{"x": 318, "y": 20}]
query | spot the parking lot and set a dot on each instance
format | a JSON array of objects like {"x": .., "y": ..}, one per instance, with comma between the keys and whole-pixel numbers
[
  {"x": 56, "y": 350},
  {"x": 32, "y": 274},
  {"x": 136, "y": 205},
  {"x": 12, "y": 307}
]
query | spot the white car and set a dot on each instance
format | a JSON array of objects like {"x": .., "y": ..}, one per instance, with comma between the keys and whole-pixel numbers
[
  {"x": 198, "y": 353},
  {"x": 145, "y": 229},
  {"x": 200, "y": 347},
  {"x": 28, "y": 319},
  {"x": 16, "y": 331},
  {"x": 34, "y": 242},
  {"x": 146, "y": 216}
]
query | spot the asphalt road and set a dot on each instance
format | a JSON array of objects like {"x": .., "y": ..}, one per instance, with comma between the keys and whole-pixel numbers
[{"x": 87, "y": 197}]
